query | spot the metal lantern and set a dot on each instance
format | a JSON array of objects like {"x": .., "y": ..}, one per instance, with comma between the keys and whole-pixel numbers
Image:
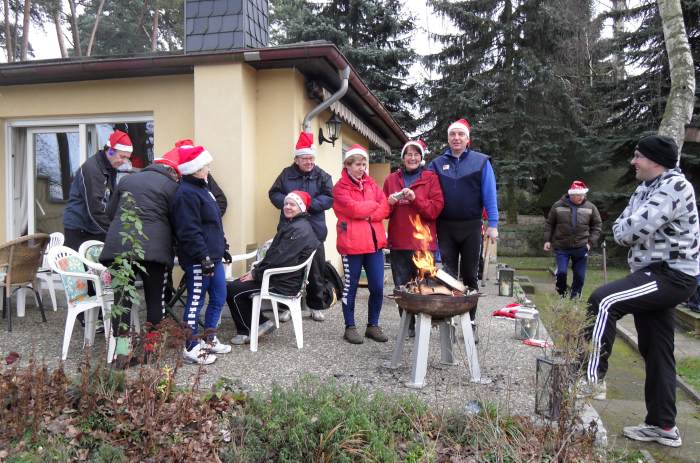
[
  {"x": 527, "y": 325},
  {"x": 506, "y": 279},
  {"x": 553, "y": 379}
]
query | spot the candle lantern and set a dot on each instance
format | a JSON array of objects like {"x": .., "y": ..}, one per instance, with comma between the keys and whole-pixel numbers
[
  {"x": 506, "y": 279},
  {"x": 553, "y": 381},
  {"x": 527, "y": 325}
]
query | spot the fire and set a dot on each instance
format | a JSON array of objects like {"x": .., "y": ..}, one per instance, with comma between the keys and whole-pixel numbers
[{"x": 423, "y": 258}]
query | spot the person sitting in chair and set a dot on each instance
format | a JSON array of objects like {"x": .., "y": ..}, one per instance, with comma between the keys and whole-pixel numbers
[{"x": 293, "y": 244}]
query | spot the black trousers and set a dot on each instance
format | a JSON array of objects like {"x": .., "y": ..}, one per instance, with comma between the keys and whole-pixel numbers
[
  {"x": 403, "y": 270},
  {"x": 460, "y": 248},
  {"x": 650, "y": 295},
  {"x": 73, "y": 239},
  {"x": 154, "y": 284},
  {"x": 314, "y": 290},
  {"x": 239, "y": 299}
]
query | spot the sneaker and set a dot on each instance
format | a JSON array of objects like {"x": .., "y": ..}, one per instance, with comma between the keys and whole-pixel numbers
[
  {"x": 198, "y": 355},
  {"x": 595, "y": 391},
  {"x": 317, "y": 315},
  {"x": 285, "y": 316},
  {"x": 648, "y": 433},
  {"x": 215, "y": 347},
  {"x": 267, "y": 327},
  {"x": 375, "y": 333},
  {"x": 240, "y": 339},
  {"x": 352, "y": 336}
]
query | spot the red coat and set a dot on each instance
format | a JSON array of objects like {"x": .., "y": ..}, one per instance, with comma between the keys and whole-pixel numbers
[
  {"x": 428, "y": 204},
  {"x": 360, "y": 208}
]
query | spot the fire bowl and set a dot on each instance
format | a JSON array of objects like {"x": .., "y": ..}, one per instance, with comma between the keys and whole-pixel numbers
[{"x": 435, "y": 305}]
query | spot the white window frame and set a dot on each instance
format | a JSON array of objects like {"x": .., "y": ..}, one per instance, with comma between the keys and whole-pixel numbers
[{"x": 48, "y": 124}]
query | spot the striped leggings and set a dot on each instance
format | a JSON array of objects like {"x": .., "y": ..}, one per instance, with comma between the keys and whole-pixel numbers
[
  {"x": 197, "y": 286},
  {"x": 650, "y": 295}
]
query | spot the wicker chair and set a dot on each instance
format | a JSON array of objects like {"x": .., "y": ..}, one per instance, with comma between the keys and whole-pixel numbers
[{"x": 19, "y": 261}]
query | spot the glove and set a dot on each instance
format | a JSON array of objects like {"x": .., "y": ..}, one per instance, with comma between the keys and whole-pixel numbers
[
  {"x": 227, "y": 257},
  {"x": 207, "y": 267}
]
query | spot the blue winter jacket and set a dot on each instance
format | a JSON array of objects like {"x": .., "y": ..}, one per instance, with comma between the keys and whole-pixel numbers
[
  {"x": 468, "y": 186},
  {"x": 197, "y": 223}
]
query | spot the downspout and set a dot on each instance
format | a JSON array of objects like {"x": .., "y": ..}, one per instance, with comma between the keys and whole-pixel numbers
[{"x": 345, "y": 75}]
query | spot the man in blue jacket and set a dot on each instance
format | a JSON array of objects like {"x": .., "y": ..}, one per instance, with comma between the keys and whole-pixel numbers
[
  {"x": 305, "y": 175},
  {"x": 468, "y": 186}
]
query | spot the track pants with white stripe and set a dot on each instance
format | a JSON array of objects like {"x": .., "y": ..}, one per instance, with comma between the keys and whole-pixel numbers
[
  {"x": 197, "y": 286},
  {"x": 650, "y": 295}
]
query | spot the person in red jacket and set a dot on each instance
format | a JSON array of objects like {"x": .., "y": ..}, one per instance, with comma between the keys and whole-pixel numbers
[
  {"x": 360, "y": 206},
  {"x": 412, "y": 191}
]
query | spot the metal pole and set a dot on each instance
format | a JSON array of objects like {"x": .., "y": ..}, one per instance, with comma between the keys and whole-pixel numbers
[{"x": 605, "y": 263}]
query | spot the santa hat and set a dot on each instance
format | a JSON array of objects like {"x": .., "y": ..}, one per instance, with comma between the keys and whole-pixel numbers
[
  {"x": 305, "y": 144},
  {"x": 461, "y": 125},
  {"x": 356, "y": 149},
  {"x": 578, "y": 188},
  {"x": 300, "y": 198},
  {"x": 120, "y": 141},
  {"x": 184, "y": 143},
  {"x": 193, "y": 159},
  {"x": 171, "y": 158},
  {"x": 417, "y": 143}
]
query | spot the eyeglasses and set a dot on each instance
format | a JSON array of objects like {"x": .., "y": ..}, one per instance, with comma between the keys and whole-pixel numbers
[{"x": 306, "y": 158}]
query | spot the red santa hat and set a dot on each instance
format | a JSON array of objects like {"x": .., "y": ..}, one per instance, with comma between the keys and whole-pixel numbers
[
  {"x": 305, "y": 145},
  {"x": 192, "y": 159},
  {"x": 356, "y": 149},
  {"x": 461, "y": 125},
  {"x": 184, "y": 143},
  {"x": 120, "y": 141},
  {"x": 300, "y": 198},
  {"x": 171, "y": 158},
  {"x": 578, "y": 188},
  {"x": 420, "y": 144}
]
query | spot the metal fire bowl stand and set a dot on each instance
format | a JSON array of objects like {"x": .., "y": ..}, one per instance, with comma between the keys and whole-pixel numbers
[{"x": 441, "y": 309}]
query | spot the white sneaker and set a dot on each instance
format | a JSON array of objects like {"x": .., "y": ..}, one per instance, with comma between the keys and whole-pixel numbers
[
  {"x": 648, "y": 433},
  {"x": 317, "y": 315},
  {"x": 284, "y": 316},
  {"x": 215, "y": 347},
  {"x": 198, "y": 355},
  {"x": 267, "y": 327},
  {"x": 240, "y": 339}
]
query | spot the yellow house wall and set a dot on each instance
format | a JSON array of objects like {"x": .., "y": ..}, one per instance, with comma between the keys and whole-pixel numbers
[{"x": 169, "y": 98}]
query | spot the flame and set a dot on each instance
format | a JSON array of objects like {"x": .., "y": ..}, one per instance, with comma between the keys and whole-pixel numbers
[{"x": 423, "y": 258}]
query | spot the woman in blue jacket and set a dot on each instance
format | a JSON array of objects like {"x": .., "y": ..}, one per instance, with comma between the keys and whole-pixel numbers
[{"x": 201, "y": 246}]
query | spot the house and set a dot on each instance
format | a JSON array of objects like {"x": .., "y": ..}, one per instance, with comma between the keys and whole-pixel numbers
[{"x": 245, "y": 105}]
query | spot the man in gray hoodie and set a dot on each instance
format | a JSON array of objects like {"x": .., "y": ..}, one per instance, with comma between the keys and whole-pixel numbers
[{"x": 660, "y": 226}]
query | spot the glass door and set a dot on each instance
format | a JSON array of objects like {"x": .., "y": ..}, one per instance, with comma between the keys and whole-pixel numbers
[{"x": 53, "y": 155}]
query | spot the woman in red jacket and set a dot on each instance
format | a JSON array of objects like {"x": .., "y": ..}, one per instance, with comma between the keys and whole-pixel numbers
[
  {"x": 412, "y": 191},
  {"x": 360, "y": 206}
]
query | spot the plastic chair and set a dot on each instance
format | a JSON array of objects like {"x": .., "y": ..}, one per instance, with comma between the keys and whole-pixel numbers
[
  {"x": 75, "y": 272},
  {"x": 91, "y": 250},
  {"x": 45, "y": 275},
  {"x": 293, "y": 302},
  {"x": 19, "y": 261}
]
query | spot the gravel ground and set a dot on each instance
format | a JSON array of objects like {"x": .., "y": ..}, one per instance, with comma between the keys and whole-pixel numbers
[{"x": 508, "y": 363}]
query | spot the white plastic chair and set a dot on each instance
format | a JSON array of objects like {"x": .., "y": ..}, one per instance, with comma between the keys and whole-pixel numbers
[
  {"x": 91, "y": 250},
  {"x": 75, "y": 272},
  {"x": 293, "y": 302},
  {"x": 45, "y": 275}
]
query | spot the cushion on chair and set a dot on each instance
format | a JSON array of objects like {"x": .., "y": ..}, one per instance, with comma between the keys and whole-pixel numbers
[
  {"x": 75, "y": 288},
  {"x": 93, "y": 253}
]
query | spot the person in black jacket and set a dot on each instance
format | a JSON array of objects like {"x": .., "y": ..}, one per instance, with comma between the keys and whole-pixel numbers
[
  {"x": 153, "y": 190},
  {"x": 201, "y": 245},
  {"x": 305, "y": 175},
  {"x": 292, "y": 245}
]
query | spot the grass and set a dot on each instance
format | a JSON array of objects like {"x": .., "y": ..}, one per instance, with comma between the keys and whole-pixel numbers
[{"x": 689, "y": 369}]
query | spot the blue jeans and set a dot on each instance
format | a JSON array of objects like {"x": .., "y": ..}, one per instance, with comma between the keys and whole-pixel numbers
[
  {"x": 579, "y": 259},
  {"x": 197, "y": 286},
  {"x": 374, "y": 268}
]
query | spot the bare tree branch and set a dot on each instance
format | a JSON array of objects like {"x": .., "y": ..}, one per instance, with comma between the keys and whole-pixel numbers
[{"x": 94, "y": 28}]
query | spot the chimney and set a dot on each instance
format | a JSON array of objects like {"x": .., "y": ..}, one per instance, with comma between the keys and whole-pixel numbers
[{"x": 217, "y": 25}]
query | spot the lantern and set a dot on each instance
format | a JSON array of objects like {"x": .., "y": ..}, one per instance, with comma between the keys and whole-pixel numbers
[{"x": 506, "y": 279}]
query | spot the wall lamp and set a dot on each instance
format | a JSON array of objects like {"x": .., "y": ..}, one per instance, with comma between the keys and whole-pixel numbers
[{"x": 333, "y": 128}]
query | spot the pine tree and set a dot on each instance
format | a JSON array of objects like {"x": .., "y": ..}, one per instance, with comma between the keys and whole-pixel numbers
[
  {"x": 518, "y": 70},
  {"x": 373, "y": 34}
]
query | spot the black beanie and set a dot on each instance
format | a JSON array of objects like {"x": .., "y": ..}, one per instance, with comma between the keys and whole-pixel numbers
[{"x": 660, "y": 149}]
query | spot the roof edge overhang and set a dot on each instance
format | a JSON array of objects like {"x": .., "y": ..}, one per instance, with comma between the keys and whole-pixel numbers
[{"x": 69, "y": 70}]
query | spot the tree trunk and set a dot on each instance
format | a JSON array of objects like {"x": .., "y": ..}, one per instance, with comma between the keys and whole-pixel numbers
[
  {"x": 94, "y": 28},
  {"x": 56, "y": 14},
  {"x": 512, "y": 198},
  {"x": 681, "y": 99},
  {"x": 25, "y": 30},
  {"x": 74, "y": 29},
  {"x": 8, "y": 33},
  {"x": 618, "y": 29},
  {"x": 154, "y": 29}
]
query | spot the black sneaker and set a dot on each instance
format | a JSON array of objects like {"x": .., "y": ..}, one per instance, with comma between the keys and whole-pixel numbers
[{"x": 648, "y": 433}]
